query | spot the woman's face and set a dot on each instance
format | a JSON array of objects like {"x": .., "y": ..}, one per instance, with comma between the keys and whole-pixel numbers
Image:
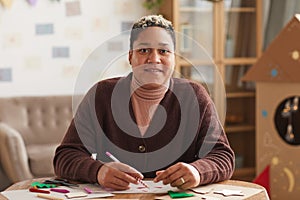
[{"x": 152, "y": 58}]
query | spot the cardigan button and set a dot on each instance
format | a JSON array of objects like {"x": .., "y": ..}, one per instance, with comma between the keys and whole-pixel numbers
[{"x": 142, "y": 148}]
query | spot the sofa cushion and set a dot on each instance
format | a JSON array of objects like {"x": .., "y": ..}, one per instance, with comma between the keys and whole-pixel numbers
[
  {"x": 40, "y": 159},
  {"x": 40, "y": 119}
]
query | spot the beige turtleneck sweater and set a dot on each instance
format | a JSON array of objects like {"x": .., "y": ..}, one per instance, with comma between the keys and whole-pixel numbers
[{"x": 145, "y": 102}]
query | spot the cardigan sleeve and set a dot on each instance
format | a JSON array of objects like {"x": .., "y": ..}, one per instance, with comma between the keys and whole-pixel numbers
[
  {"x": 72, "y": 158},
  {"x": 215, "y": 157}
]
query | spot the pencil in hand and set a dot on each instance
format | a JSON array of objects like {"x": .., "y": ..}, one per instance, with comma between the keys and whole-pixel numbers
[
  {"x": 116, "y": 160},
  {"x": 142, "y": 182}
]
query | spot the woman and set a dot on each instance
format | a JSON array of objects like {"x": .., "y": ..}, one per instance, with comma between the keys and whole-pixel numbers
[{"x": 164, "y": 127}]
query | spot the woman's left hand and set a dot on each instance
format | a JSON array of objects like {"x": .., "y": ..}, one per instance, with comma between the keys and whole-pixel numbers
[{"x": 181, "y": 175}]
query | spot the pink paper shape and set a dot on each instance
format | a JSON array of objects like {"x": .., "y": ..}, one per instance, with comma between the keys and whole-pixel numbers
[{"x": 32, "y": 2}]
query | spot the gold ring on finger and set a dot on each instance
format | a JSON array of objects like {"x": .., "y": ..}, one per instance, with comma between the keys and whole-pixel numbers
[{"x": 182, "y": 180}]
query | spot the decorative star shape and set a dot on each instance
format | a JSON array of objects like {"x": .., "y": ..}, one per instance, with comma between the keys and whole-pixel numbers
[{"x": 226, "y": 192}]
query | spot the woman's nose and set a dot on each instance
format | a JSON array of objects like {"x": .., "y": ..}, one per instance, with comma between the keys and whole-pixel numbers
[{"x": 154, "y": 57}]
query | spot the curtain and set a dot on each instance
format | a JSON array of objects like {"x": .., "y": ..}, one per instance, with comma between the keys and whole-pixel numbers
[{"x": 278, "y": 13}]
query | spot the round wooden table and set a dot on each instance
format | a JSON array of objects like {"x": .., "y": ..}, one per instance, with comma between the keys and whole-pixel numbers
[{"x": 259, "y": 196}]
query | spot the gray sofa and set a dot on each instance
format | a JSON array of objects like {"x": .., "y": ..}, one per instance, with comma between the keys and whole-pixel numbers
[{"x": 30, "y": 130}]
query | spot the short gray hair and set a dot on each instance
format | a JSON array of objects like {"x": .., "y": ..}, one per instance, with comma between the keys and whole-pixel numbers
[{"x": 151, "y": 21}]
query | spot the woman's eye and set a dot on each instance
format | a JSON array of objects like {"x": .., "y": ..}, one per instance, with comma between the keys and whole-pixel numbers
[
  {"x": 143, "y": 51},
  {"x": 164, "y": 51}
]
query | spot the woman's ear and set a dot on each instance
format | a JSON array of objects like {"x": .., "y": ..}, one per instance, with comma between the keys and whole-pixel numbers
[{"x": 130, "y": 56}]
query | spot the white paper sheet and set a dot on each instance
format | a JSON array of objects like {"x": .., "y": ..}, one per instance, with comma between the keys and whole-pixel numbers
[
  {"x": 26, "y": 195},
  {"x": 208, "y": 190},
  {"x": 154, "y": 188}
]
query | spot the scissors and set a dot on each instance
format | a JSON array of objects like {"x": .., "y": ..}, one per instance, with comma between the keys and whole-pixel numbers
[{"x": 60, "y": 181}]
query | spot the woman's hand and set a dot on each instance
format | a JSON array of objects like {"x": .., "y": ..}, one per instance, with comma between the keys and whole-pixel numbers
[
  {"x": 181, "y": 175},
  {"x": 117, "y": 175}
]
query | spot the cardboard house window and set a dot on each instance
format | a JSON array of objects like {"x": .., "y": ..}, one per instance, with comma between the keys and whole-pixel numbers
[{"x": 287, "y": 119}]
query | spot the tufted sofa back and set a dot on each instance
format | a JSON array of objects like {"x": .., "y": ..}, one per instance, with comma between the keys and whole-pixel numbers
[{"x": 40, "y": 119}]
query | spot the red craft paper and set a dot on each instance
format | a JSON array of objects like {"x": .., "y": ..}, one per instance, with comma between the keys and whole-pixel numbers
[{"x": 263, "y": 179}]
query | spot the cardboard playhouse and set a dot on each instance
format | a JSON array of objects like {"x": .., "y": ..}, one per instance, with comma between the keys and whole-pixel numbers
[{"x": 277, "y": 77}]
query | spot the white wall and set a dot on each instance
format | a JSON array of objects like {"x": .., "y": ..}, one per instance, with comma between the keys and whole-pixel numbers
[{"x": 27, "y": 65}]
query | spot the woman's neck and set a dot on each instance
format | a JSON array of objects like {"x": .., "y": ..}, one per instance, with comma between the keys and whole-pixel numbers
[{"x": 148, "y": 93}]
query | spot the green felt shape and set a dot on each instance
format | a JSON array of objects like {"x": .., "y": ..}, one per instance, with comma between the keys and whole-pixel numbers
[
  {"x": 175, "y": 195},
  {"x": 42, "y": 185}
]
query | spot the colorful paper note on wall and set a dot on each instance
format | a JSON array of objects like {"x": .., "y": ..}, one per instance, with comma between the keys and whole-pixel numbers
[
  {"x": 5, "y": 74},
  {"x": 60, "y": 52},
  {"x": 32, "y": 2},
  {"x": 12, "y": 40},
  {"x": 126, "y": 25},
  {"x": 70, "y": 71},
  {"x": 73, "y": 8},
  {"x": 44, "y": 29},
  {"x": 6, "y": 3},
  {"x": 74, "y": 33},
  {"x": 97, "y": 24},
  {"x": 115, "y": 46},
  {"x": 123, "y": 7},
  {"x": 33, "y": 63}
]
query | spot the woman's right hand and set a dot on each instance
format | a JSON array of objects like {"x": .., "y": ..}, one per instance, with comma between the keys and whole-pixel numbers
[{"x": 117, "y": 175}]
